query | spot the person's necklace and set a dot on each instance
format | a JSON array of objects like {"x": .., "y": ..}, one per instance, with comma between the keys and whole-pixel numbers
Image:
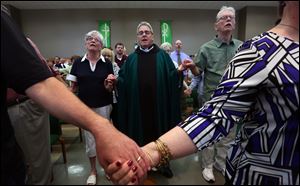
[{"x": 289, "y": 26}]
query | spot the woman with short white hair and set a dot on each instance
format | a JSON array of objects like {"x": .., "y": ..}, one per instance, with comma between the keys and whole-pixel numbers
[{"x": 88, "y": 75}]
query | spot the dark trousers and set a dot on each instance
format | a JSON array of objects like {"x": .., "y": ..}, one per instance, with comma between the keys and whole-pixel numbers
[{"x": 114, "y": 114}]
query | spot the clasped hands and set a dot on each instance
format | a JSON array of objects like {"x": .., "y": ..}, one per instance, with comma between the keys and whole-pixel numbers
[
  {"x": 109, "y": 82},
  {"x": 186, "y": 64},
  {"x": 125, "y": 173}
]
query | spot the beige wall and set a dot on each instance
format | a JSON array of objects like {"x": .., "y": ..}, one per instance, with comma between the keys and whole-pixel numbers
[
  {"x": 61, "y": 32},
  {"x": 259, "y": 19}
]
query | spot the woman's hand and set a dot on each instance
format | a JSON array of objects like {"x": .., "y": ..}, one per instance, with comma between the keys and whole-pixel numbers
[
  {"x": 122, "y": 174},
  {"x": 109, "y": 82}
]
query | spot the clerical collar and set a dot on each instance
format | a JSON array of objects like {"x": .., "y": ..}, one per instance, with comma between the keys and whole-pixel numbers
[{"x": 147, "y": 49}]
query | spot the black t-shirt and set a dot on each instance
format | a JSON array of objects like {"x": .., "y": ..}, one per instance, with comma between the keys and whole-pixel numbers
[
  {"x": 20, "y": 69},
  {"x": 91, "y": 88}
]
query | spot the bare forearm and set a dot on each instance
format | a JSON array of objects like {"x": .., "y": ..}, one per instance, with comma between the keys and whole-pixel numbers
[
  {"x": 111, "y": 145},
  {"x": 59, "y": 78},
  {"x": 185, "y": 85},
  {"x": 195, "y": 71},
  {"x": 68, "y": 107},
  {"x": 178, "y": 142}
]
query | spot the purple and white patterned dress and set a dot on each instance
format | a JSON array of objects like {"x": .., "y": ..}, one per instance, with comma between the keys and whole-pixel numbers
[{"x": 260, "y": 88}]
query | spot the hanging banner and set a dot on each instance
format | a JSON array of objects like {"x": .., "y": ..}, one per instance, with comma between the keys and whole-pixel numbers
[
  {"x": 104, "y": 29},
  {"x": 166, "y": 31}
]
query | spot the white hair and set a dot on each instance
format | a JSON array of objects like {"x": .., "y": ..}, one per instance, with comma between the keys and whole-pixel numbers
[
  {"x": 94, "y": 33},
  {"x": 166, "y": 46},
  {"x": 225, "y": 8},
  {"x": 144, "y": 23}
]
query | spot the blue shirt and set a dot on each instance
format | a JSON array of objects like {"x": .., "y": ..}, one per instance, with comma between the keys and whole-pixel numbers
[
  {"x": 197, "y": 82},
  {"x": 183, "y": 56}
]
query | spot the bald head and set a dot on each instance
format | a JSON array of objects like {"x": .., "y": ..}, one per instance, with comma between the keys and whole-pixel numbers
[{"x": 178, "y": 45}]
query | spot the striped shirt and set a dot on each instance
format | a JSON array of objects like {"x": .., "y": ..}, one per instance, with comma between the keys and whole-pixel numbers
[{"x": 260, "y": 87}]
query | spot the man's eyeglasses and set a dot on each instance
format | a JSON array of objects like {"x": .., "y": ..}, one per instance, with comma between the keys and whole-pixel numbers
[
  {"x": 147, "y": 32},
  {"x": 223, "y": 18},
  {"x": 90, "y": 38}
]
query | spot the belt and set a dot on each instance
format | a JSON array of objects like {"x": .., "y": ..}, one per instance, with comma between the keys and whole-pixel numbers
[{"x": 16, "y": 101}]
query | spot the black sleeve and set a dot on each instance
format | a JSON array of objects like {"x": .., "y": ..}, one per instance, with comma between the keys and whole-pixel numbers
[
  {"x": 20, "y": 65},
  {"x": 110, "y": 67},
  {"x": 75, "y": 66}
]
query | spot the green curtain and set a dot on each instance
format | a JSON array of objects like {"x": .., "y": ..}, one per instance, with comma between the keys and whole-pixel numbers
[
  {"x": 104, "y": 29},
  {"x": 166, "y": 31}
]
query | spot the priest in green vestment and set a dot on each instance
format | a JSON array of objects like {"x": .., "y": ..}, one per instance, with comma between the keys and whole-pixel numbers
[{"x": 148, "y": 91}]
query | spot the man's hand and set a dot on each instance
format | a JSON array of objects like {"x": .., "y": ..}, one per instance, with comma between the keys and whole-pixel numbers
[
  {"x": 181, "y": 68},
  {"x": 187, "y": 92},
  {"x": 115, "y": 146},
  {"x": 111, "y": 145},
  {"x": 187, "y": 63}
]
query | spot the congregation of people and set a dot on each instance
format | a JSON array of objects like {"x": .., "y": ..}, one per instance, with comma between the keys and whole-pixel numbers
[{"x": 216, "y": 102}]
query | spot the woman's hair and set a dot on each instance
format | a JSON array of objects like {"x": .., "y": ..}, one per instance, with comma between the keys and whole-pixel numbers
[
  {"x": 94, "y": 33},
  {"x": 166, "y": 46},
  {"x": 108, "y": 52}
]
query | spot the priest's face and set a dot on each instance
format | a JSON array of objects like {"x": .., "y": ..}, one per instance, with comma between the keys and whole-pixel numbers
[{"x": 145, "y": 36}]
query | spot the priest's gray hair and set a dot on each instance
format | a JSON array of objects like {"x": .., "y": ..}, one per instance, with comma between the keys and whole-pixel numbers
[{"x": 144, "y": 23}]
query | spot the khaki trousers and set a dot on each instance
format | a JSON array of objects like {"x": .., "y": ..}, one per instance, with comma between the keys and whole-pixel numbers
[{"x": 32, "y": 131}]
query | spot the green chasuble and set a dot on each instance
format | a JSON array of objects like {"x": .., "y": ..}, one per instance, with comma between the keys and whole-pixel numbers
[{"x": 148, "y": 95}]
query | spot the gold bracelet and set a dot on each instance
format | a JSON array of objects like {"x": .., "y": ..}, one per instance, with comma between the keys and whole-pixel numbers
[
  {"x": 164, "y": 151},
  {"x": 150, "y": 158}
]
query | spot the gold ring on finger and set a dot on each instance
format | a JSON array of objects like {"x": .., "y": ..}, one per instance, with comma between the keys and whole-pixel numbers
[{"x": 139, "y": 159}]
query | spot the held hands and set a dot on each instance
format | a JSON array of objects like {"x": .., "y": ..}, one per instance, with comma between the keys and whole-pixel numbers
[
  {"x": 189, "y": 64},
  {"x": 187, "y": 92},
  {"x": 124, "y": 173},
  {"x": 181, "y": 68},
  {"x": 109, "y": 82},
  {"x": 127, "y": 155},
  {"x": 186, "y": 64}
]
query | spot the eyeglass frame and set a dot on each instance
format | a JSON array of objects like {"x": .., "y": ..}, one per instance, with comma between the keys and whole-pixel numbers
[
  {"x": 90, "y": 38},
  {"x": 146, "y": 32},
  {"x": 225, "y": 17}
]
